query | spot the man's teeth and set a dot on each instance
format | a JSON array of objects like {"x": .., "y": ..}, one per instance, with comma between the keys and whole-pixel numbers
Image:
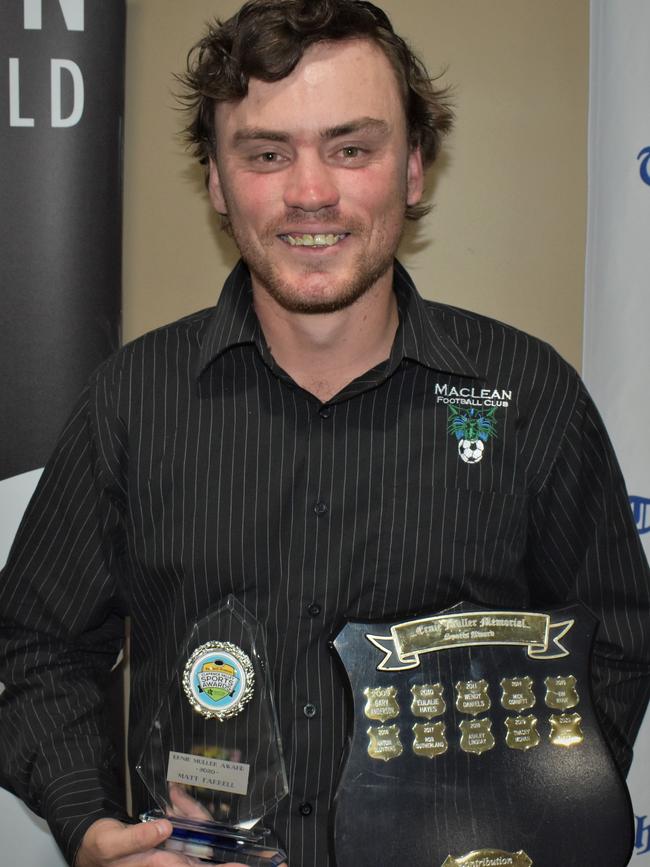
[{"x": 308, "y": 240}]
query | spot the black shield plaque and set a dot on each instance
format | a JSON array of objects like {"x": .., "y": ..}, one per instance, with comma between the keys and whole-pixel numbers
[{"x": 475, "y": 742}]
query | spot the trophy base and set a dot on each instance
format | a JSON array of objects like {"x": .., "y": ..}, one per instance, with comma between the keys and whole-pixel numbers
[{"x": 218, "y": 844}]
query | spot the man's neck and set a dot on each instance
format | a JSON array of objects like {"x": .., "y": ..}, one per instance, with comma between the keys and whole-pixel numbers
[{"x": 324, "y": 352}]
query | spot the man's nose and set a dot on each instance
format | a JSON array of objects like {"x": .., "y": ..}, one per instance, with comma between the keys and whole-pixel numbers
[{"x": 311, "y": 185}]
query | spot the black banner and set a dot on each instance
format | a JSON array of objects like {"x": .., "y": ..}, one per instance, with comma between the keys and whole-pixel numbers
[{"x": 62, "y": 80}]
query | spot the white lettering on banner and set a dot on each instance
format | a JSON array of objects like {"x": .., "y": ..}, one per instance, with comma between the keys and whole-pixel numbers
[
  {"x": 57, "y": 66},
  {"x": 73, "y": 14},
  {"x": 14, "y": 96}
]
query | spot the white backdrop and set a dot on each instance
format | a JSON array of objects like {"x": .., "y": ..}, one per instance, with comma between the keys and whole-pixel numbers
[{"x": 617, "y": 302}]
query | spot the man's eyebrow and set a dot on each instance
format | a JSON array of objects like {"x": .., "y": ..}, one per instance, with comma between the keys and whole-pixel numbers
[
  {"x": 362, "y": 124},
  {"x": 250, "y": 133}
]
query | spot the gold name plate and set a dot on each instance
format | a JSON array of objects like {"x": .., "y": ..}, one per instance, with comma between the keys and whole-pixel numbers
[{"x": 489, "y": 858}]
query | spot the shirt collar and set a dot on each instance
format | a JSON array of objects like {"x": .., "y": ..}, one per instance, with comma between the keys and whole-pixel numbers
[
  {"x": 233, "y": 322},
  {"x": 421, "y": 335}
]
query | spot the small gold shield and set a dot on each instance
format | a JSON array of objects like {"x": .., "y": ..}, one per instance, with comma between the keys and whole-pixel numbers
[
  {"x": 472, "y": 697},
  {"x": 566, "y": 730},
  {"x": 428, "y": 700},
  {"x": 561, "y": 692},
  {"x": 476, "y": 735},
  {"x": 518, "y": 693},
  {"x": 384, "y": 742},
  {"x": 522, "y": 732},
  {"x": 430, "y": 739},
  {"x": 381, "y": 704}
]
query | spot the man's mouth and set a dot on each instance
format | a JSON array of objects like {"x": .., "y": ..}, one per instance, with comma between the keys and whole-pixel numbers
[{"x": 307, "y": 239}]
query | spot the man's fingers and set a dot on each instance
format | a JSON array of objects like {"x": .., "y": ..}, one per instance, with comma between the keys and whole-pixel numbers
[
  {"x": 107, "y": 840},
  {"x": 131, "y": 839}
]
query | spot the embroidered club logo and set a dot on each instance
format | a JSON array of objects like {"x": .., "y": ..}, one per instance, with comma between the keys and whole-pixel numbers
[{"x": 472, "y": 428}]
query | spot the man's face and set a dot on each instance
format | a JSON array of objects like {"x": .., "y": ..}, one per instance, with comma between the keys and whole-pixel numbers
[{"x": 315, "y": 172}]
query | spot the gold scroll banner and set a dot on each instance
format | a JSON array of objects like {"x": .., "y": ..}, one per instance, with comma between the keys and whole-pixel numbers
[
  {"x": 408, "y": 641},
  {"x": 490, "y": 858}
]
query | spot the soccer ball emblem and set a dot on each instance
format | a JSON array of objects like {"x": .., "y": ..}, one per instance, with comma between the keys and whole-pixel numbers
[
  {"x": 471, "y": 451},
  {"x": 472, "y": 428}
]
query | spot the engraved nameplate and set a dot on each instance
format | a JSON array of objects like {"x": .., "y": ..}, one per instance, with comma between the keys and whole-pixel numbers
[
  {"x": 428, "y": 700},
  {"x": 207, "y": 773},
  {"x": 385, "y": 743},
  {"x": 566, "y": 730},
  {"x": 561, "y": 693},
  {"x": 490, "y": 858},
  {"x": 476, "y": 735},
  {"x": 472, "y": 697},
  {"x": 518, "y": 693},
  {"x": 522, "y": 732},
  {"x": 381, "y": 703},
  {"x": 430, "y": 739}
]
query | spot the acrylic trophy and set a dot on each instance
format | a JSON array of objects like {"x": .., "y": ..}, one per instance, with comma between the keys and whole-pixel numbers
[{"x": 212, "y": 760}]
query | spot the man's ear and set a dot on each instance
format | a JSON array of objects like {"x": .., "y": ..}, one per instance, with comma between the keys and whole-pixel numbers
[
  {"x": 414, "y": 177},
  {"x": 214, "y": 189}
]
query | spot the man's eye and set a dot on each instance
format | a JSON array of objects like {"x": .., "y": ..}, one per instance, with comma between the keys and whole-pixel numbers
[
  {"x": 350, "y": 152},
  {"x": 266, "y": 158}
]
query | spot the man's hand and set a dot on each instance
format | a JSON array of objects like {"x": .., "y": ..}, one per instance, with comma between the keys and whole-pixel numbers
[{"x": 109, "y": 843}]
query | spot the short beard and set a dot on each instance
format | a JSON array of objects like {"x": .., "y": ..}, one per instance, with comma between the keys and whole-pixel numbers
[
  {"x": 366, "y": 273},
  {"x": 365, "y": 277}
]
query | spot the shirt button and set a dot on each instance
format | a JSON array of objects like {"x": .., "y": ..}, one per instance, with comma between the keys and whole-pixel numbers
[
  {"x": 305, "y": 809},
  {"x": 320, "y": 508},
  {"x": 324, "y": 412},
  {"x": 310, "y": 710},
  {"x": 313, "y": 609}
]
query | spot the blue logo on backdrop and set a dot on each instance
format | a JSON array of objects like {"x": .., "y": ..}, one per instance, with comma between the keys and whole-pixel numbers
[
  {"x": 641, "y": 512},
  {"x": 642, "y": 840},
  {"x": 644, "y": 168}
]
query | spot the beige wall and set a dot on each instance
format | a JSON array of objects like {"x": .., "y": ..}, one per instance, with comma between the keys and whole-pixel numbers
[{"x": 507, "y": 234}]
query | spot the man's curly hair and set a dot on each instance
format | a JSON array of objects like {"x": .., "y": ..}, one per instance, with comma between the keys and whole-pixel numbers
[{"x": 266, "y": 40}]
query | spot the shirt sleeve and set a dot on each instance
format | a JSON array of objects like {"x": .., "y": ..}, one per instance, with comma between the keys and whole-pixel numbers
[
  {"x": 61, "y": 629},
  {"x": 584, "y": 546}
]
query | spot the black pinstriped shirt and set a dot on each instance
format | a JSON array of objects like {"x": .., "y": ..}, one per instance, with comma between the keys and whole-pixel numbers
[{"x": 193, "y": 467}]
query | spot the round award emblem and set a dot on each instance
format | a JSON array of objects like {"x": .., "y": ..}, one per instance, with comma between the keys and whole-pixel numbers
[{"x": 218, "y": 680}]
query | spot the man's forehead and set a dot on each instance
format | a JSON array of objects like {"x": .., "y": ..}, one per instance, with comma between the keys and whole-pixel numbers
[{"x": 333, "y": 84}]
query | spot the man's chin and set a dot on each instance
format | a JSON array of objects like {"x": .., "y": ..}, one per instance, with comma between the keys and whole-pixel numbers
[
  {"x": 319, "y": 292},
  {"x": 317, "y": 299},
  {"x": 297, "y": 302}
]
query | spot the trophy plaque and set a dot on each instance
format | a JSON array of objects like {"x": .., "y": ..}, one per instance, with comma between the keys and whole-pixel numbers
[
  {"x": 475, "y": 744},
  {"x": 212, "y": 760}
]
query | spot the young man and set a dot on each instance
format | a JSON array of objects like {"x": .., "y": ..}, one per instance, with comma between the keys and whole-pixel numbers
[{"x": 324, "y": 445}]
